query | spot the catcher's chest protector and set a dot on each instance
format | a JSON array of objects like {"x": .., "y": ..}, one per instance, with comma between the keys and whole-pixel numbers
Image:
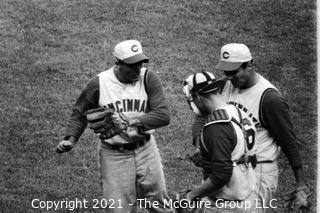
[{"x": 242, "y": 181}]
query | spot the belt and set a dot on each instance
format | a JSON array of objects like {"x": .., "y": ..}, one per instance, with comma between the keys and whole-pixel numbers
[
  {"x": 251, "y": 159},
  {"x": 127, "y": 146},
  {"x": 266, "y": 161},
  {"x": 248, "y": 159}
]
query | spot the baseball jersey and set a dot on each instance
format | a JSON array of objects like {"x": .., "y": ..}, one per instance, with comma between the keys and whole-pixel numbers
[
  {"x": 150, "y": 105},
  {"x": 130, "y": 99},
  {"x": 273, "y": 116},
  {"x": 249, "y": 101}
]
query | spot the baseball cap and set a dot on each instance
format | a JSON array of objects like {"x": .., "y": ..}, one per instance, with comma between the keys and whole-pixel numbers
[
  {"x": 130, "y": 52},
  {"x": 232, "y": 56},
  {"x": 202, "y": 82}
]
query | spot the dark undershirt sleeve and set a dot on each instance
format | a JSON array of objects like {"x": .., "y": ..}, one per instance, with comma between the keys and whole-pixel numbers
[
  {"x": 275, "y": 116},
  {"x": 219, "y": 140},
  {"x": 158, "y": 114},
  {"x": 197, "y": 126},
  {"x": 88, "y": 99}
]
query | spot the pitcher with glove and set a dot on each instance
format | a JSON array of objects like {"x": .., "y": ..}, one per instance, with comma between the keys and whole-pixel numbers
[{"x": 123, "y": 105}]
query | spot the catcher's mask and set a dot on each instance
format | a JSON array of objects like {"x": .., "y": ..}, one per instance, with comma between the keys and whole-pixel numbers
[{"x": 200, "y": 84}]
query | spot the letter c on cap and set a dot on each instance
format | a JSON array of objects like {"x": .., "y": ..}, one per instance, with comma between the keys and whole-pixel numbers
[
  {"x": 225, "y": 55},
  {"x": 134, "y": 48}
]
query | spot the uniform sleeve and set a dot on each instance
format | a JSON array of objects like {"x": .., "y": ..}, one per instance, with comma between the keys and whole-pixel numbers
[
  {"x": 219, "y": 140},
  {"x": 158, "y": 114},
  {"x": 88, "y": 99},
  {"x": 275, "y": 116}
]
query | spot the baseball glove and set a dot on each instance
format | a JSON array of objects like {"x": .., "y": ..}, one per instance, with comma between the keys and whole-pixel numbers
[
  {"x": 297, "y": 200},
  {"x": 106, "y": 121}
]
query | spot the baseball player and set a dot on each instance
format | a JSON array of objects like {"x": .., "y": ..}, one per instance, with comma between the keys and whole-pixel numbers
[
  {"x": 130, "y": 164},
  {"x": 249, "y": 91},
  {"x": 227, "y": 147}
]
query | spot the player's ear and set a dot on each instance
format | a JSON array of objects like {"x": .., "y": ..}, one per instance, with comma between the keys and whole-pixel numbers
[
  {"x": 118, "y": 62},
  {"x": 250, "y": 64}
]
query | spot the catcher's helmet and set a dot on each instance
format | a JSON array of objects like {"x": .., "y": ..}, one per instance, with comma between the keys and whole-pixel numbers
[{"x": 202, "y": 82}]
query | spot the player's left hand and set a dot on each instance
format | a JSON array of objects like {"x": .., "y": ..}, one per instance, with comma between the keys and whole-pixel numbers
[
  {"x": 298, "y": 199},
  {"x": 134, "y": 134},
  {"x": 135, "y": 130},
  {"x": 301, "y": 200}
]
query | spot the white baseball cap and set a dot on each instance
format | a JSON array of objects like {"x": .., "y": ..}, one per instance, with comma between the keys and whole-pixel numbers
[
  {"x": 232, "y": 56},
  {"x": 130, "y": 52}
]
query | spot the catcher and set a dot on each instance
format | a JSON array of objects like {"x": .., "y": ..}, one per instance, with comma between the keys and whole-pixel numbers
[
  {"x": 124, "y": 105},
  {"x": 227, "y": 148}
]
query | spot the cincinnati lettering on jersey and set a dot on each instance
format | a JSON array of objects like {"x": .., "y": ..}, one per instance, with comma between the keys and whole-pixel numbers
[
  {"x": 240, "y": 106},
  {"x": 129, "y": 105}
]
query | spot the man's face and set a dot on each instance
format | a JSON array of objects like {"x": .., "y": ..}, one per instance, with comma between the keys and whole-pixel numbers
[
  {"x": 200, "y": 102},
  {"x": 130, "y": 73},
  {"x": 239, "y": 77}
]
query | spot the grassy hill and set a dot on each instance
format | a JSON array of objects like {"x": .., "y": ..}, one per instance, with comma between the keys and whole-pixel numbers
[{"x": 51, "y": 49}]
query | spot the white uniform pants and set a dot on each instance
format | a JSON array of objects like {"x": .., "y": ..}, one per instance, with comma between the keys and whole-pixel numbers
[
  {"x": 130, "y": 175},
  {"x": 267, "y": 175}
]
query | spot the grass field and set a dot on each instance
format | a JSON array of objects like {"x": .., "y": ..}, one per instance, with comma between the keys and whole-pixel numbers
[{"x": 50, "y": 49}]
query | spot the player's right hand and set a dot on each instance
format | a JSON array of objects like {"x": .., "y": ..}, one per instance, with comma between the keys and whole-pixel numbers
[{"x": 64, "y": 146}]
